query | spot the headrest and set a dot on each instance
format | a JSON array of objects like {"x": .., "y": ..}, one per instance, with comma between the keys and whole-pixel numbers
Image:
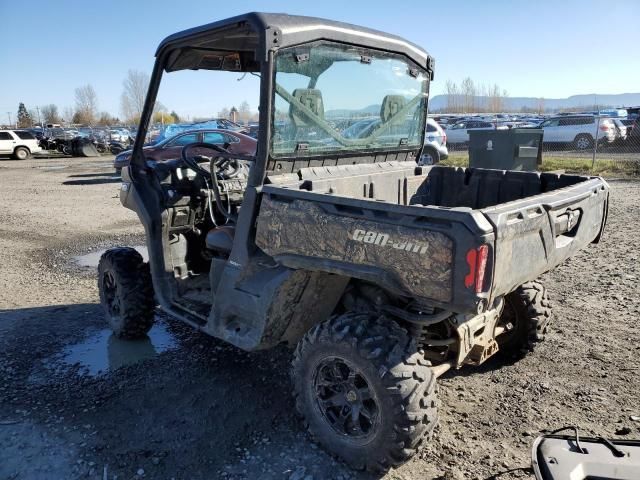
[
  {"x": 310, "y": 98},
  {"x": 391, "y": 105}
]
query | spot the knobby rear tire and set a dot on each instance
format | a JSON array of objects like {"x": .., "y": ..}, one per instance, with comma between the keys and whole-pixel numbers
[
  {"x": 396, "y": 373},
  {"x": 530, "y": 308}
]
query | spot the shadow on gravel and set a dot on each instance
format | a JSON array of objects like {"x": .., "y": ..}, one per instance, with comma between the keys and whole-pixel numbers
[
  {"x": 194, "y": 410},
  {"x": 89, "y": 175},
  {"x": 94, "y": 181}
]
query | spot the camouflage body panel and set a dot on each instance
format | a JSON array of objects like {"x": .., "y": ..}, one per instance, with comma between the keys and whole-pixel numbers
[{"x": 410, "y": 260}]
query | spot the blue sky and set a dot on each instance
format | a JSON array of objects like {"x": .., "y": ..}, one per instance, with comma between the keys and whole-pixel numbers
[{"x": 544, "y": 49}]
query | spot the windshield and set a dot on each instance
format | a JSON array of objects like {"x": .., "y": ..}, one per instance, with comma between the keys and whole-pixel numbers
[{"x": 339, "y": 98}]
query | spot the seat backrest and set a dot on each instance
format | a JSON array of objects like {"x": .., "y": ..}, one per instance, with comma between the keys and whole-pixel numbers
[
  {"x": 310, "y": 98},
  {"x": 391, "y": 104}
]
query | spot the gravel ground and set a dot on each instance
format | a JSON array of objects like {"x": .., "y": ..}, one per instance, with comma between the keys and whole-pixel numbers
[{"x": 195, "y": 408}]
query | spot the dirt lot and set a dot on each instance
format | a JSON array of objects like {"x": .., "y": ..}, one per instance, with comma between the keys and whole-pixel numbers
[{"x": 185, "y": 406}]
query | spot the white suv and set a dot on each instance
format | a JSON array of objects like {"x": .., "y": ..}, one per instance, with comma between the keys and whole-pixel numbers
[
  {"x": 579, "y": 130},
  {"x": 435, "y": 144},
  {"x": 18, "y": 143}
]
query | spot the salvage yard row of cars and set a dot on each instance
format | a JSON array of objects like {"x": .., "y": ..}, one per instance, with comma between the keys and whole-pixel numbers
[{"x": 579, "y": 131}]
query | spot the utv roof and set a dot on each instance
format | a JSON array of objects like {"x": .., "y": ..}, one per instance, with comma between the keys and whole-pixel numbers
[{"x": 260, "y": 32}]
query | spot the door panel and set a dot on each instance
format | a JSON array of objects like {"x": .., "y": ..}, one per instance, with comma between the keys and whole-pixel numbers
[{"x": 7, "y": 142}]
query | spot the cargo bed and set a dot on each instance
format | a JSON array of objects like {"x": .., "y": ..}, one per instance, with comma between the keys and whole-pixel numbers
[{"x": 418, "y": 231}]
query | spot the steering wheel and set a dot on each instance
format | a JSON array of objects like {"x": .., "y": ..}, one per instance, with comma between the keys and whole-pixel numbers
[{"x": 223, "y": 159}]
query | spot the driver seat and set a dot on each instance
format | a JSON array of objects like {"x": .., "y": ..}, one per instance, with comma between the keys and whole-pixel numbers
[
  {"x": 312, "y": 99},
  {"x": 391, "y": 104},
  {"x": 220, "y": 239}
]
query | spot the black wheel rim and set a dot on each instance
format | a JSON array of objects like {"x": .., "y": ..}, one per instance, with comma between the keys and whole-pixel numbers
[
  {"x": 111, "y": 299},
  {"x": 344, "y": 398}
]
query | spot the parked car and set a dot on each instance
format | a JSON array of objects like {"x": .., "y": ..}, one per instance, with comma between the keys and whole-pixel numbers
[
  {"x": 458, "y": 133},
  {"x": 252, "y": 130},
  {"x": 633, "y": 136},
  {"x": 119, "y": 135},
  {"x": 171, "y": 148},
  {"x": 20, "y": 144},
  {"x": 621, "y": 129},
  {"x": 435, "y": 144},
  {"x": 578, "y": 130},
  {"x": 361, "y": 128},
  {"x": 215, "y": 124}
]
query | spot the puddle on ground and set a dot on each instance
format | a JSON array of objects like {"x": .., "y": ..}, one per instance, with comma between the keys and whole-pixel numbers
[
  {"x": 91, "y": 259},
  {"x": 103, "y": 351}
]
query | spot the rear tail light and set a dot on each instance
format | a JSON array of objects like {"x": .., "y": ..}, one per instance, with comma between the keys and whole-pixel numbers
[
  {"x": 444, "y": 137},
  {"x": 477, "y": 262},
  {"x": 605, "y": 127}
]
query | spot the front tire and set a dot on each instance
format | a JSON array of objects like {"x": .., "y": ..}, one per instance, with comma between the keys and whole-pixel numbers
[
  {"x": 365, "y": 392},
  {"x": 21, "y": 153},
  {"x": 583, "y": 142},
  {"x": 430, "y": 156},
  {"x": 126, "y": 292},
  {"x": 526, "y": 315}
]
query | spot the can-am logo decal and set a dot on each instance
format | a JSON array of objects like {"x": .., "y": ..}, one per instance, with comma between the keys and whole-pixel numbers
[{"x": 384, "y": 240}]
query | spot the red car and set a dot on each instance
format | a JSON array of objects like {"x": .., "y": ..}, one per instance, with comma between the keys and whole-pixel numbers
[{"x": 171, "y": 148}]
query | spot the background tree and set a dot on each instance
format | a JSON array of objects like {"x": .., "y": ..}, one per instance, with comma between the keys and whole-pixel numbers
[
  {"x": 34, "y": 116},
  {"x": 469, "y": 95},
  {"x": 24, "y": 119},
  {"x": 86, "y": 105},
  {"x": 105, "y": 119},
  {"x": 50, "y": 114},
  {"x": 175, "y": 116},
  {"x": 224, "y": 113},
  {"x": 244, "y": 112},
  {"x": 133, "y": 95},
  {"x": 67, "y": 115},
  {"x": 453, "y": 97},
  {"x": 163, "y": 117}
]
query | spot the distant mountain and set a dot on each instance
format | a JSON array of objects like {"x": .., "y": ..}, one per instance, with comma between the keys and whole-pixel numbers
[
  {"x": 338, "y": 113},
  {"x": 514, "y": 104}
]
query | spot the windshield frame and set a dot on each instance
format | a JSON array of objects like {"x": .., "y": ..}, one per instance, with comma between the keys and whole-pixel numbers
[{"x": 362, "y": 152}]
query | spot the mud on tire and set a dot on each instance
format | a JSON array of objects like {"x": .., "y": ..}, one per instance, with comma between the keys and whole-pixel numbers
[
  {"x": 126, "y": 292},
  {"x": 356, "y": 362},
  {"x": 528, "y": 310}
]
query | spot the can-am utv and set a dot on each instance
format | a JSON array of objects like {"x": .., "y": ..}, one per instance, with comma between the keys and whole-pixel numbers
[{"x": 380, "y": 273}]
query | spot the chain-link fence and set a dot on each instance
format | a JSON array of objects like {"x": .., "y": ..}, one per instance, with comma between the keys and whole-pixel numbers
[{"x": 590, "y": 143}]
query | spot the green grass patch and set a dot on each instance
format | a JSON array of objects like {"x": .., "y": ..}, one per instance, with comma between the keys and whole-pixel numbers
[{"x": 567, "y": 163}]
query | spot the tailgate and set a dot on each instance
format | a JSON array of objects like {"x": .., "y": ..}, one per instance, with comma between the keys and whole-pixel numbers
[{"x": 535, "y": 234}]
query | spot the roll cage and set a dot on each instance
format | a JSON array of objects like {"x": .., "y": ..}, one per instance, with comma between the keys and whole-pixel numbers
[{"x": 248, "y": 43}]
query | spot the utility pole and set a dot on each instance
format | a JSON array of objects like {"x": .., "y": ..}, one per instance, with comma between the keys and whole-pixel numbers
[
  {"x": 39, "y": 121},
  {"x": 9, "y": 115}
]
